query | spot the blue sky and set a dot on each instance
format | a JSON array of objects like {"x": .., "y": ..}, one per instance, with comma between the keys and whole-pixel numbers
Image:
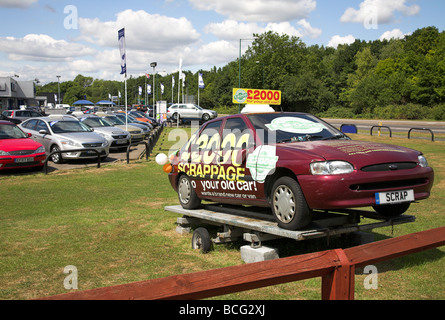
[{"x": 44, "y": 38}]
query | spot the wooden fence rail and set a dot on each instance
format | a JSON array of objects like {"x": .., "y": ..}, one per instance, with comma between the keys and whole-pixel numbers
[{"x": 336, "y": 267}]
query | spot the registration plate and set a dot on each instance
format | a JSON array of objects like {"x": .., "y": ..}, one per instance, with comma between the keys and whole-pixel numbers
[
  {"x": 24, "y": 160},
  {"x": 394, "y": 197},
  {"x": 121, "y": 141}
]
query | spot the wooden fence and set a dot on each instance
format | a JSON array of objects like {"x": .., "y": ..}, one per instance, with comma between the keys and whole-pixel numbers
[{"x": 336, "y": 267}]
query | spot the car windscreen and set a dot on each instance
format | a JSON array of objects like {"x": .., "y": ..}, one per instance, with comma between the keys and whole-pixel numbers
[
  {"x": 68, "y": 126},
  {"x": 96, "y": 122},
  {"x": 114, "y": 120},
  {"x": 11, "y": 132},
  {"x": 292, "y": 127}
]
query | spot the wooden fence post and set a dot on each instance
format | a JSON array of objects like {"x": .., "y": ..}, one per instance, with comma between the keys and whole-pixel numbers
[{"x": 339, "y": 284}]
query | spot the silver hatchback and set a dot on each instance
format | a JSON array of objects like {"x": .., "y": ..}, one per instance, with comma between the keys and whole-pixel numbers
[{"x": 56, "y": 135}]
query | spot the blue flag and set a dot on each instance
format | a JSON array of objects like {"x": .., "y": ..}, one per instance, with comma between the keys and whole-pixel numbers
[
  {"x": 122, "y": 47},
  {"x": 201, "y": 82}
]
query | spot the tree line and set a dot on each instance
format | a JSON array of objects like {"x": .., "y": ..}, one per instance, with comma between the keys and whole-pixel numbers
[{"x": 388, "y": 79}]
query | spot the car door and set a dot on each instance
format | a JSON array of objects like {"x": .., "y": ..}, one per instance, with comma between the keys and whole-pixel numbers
[
  {"x": 238, "y": 141},
  {"x": 43, "y": 135}
]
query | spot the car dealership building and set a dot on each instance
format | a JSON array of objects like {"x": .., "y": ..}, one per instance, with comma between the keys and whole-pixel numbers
[{"x": 18, "y": 94}]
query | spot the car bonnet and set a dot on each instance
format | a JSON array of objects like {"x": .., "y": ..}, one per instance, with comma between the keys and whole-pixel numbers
[{"x": 360, "y": 153}]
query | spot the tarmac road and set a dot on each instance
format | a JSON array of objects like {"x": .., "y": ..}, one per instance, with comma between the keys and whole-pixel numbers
[
  {"x": 395, "y": 125},
  {"x": 114, "y": 156}
]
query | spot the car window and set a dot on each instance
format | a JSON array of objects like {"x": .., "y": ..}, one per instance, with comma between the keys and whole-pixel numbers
[
  {"x": 68, "y": 126},
  {"x": 290, "y": 127},
  {"x": 31, "y": 124},
  {"x": 41, "y": 125},
  {"x": 11, "y": 132},
  {"x": 35, "y": 114},
  {"x": 237, "y": 135}
]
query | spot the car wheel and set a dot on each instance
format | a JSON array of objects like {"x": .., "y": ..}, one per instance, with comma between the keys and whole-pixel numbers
[
  {"x": 57, "y": 157},
  {"x": 186, "y": 194},
  {"x": 175, "y": 116},
  {"x": 201, "y": 240},
  {"x": 289, "y": 206},
  {"x": 392, "y": 210},
  {"x": 205, "y": 117}
]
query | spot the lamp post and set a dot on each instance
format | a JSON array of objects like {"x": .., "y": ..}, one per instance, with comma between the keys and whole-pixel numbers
[
  {"x": 58, "y": 89},
  {"x": 239, "y": 73},
  {"x": 153, "y": 65}
]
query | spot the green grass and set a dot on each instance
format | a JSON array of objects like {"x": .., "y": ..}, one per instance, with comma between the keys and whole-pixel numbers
[{"x": 110, "y": 224}]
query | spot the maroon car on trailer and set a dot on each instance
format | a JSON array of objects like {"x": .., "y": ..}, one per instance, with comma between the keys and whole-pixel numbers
[{"x": 294, "y": 163}]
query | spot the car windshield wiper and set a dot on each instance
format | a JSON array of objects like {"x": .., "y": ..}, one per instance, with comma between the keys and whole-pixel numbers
[
  {"x": 307, "y": 137},
  {"x": 337, "y": 137}
]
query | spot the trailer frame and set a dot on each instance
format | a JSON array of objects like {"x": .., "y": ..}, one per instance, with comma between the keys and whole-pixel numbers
[{"x": 255, "y": 225}]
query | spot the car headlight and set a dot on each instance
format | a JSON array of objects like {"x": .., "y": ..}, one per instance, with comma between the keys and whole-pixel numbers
[
  {"x": 105, "y": 143},
  {"x": 4, "y": 153},
  {"x": 71, "y": 143},
  {"x": 422, "y": 161},
  {"x": 331, "y": 168},
  {"x": 40, "y": 150}
]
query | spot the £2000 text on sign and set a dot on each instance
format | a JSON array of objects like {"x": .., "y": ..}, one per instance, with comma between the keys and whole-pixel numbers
[{"x": 256, "y": 96}]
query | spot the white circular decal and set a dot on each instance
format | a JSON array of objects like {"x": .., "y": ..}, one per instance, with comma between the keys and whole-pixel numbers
[{"x": 295, "y": 125}]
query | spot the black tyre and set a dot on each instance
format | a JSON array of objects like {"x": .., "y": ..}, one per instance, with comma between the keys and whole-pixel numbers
[
  {"x": 288, "y": 204},
  {"x": 392, "y": 210},
  {"x": 186, "y": 194},
  {"x": 205, "y": 117},
  {"x": 57, "y": 157},
  {"x": 201, "y": 240},
  {"x": 175, "y": 116}
]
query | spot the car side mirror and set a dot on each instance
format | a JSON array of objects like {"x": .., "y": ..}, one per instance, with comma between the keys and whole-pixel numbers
[
  {"x": 43, "y": 132},
  {"x": 29, "y": 135}
]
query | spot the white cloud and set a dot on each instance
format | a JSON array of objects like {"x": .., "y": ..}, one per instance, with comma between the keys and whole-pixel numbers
[
  {"x": 258, "y": 10},
  {"x": 16, "y": 3},
  {"x": 393, "y": 34},
  {"x": 383, "y": 11},
  {"x": 143, "y": 31},
  {"x": 40, "y": 47},
  {"x": 337, "y": 40},
  {"x": 231, "y": 30}
]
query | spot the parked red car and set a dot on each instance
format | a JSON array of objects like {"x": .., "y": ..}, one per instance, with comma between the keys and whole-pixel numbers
[
  {"x": 17, "y": 150},
  {"x": 295, "y": 163}
]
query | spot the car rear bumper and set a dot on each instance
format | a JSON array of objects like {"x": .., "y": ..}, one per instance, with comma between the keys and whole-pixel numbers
[{"x": 359, "y": 189}]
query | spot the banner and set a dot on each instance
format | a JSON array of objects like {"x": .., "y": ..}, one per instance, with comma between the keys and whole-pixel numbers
[
  {"x": 122, "y": 47},
  {"x": 201, "y": 84},
  {"x": 256, "y": 96},
  {"x": 140, "y": 91},
  {"x": 173, "y": 81},
  {"x": 148, "y": 89},
  {"x": 162, "y": 88}
]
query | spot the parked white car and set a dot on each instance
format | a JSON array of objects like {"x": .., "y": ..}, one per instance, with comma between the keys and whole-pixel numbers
[{"x": 190, "y": 111}]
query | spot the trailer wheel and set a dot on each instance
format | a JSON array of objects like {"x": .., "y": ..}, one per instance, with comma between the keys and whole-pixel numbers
[
  {"x": 201, "y": 240},
  {"x": 187, "y": 195},
  {"x": 289, "y": 206}
]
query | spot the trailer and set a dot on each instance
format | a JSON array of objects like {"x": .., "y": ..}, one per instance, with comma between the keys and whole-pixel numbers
[{"x": 256, "y": 225}]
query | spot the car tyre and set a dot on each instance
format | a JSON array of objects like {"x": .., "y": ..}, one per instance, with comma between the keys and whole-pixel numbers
[
  {"x": 289, "y": 206},
  {"x": 175, "y": 116},
  {"x": 392, "y": 210},
  {"x": 205, "y": 117},
  {"x": 186, "y": 194},
  {"x": 57, "y": 157},
  {"x": 201, "y": 240}
]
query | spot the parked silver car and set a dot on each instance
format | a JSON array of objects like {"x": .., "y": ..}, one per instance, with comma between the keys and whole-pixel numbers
[
  {"x": 117, "y": 137},
  {"x": 21, "y": 115},
  {"x": 137, "y": 133},
  {"x": 61, "y": 135},
  {"x": 190, "y": 111}
]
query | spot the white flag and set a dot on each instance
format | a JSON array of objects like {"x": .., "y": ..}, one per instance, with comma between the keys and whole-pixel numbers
[
  {"x": 140, "y": 91},
  {"x": 173, "y": 81},
  {"x": 148, "y": 89},
  {"x": 122, "y": 47},
  {"x": 162, "y": 88}
]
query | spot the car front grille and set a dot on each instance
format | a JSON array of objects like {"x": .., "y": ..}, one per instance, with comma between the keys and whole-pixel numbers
[
  {"x": 92, "y": 145},
  {"x": 390, "y": 167},
  {"x": 22, "y": 152},
  {"x": 122, "y": 136}
]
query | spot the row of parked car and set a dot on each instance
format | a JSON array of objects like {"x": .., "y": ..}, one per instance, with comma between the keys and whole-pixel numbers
[{"x": 28, "y": 143}]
